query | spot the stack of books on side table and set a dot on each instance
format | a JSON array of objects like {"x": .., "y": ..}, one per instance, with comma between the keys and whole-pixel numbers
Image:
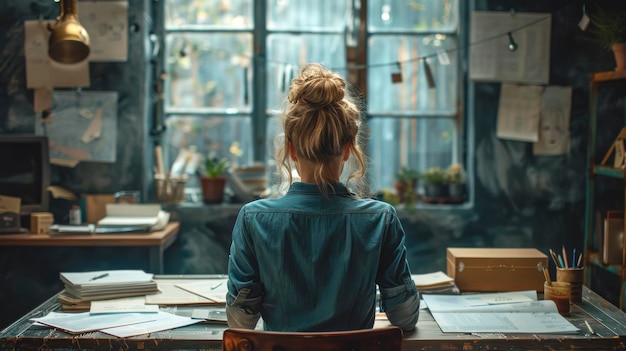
[
  {"x": 83, "y": 287},
  {"x": 435, "y": 283}
]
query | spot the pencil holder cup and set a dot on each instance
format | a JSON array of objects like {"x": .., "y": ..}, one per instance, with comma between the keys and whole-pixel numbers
[
  {"x": 558, "y": 292},
  {"x": 170, "y": 191},
  {"x": 575, "y": 277}
]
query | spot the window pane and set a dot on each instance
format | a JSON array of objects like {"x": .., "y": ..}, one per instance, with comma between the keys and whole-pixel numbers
[
  {"x": 220, "y": 136},
  {"x": 413, "y": 15},
  {"x": 287, "y": 52},
  {"x": 415, "y": 143},
  {"x": 223, "y": 13},
  {"x": 413, "y": 93},
  {"x": 209, "y": 70},
  {"x": 306, "y": 14}
]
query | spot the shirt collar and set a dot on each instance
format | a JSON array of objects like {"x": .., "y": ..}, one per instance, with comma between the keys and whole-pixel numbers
[{"x": 312, "y": 189}]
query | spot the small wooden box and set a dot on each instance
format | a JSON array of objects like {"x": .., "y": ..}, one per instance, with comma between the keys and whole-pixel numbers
[
  {"x": 496, "y": 269},
  {"x": 40, "y": 222}
]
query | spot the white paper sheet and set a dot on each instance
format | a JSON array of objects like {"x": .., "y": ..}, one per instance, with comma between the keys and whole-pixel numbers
[
  {"x": 72, "y": 124},
  {"x": 484, "y": 313},
  {"x": 163, "y": 321},
  {"x": 490, "y": 58},
  {"x": 41, "y": 71},
  {"x": 123, "y": 305},
  {"x": 556, "y": 109},
  {"x": 519, "y": 111},
  {"x": 106, "y": 23},
  {"x": 85, "y": 322},
  {"x": 213, "y": 289}
]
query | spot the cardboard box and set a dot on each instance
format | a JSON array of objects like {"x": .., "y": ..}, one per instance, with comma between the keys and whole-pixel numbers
[
  {"x": 40, "y": 222},
  {"x": 93, "y": 206},
  {"x": 496, "y": 269}
]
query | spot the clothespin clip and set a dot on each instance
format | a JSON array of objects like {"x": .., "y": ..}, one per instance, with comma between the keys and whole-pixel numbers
[
  {"x": 396, "y": 77},
  {"x": 584, "y": 20}
]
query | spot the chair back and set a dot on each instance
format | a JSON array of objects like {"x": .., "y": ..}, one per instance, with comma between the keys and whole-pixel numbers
[{"x": 378, "y": 339}]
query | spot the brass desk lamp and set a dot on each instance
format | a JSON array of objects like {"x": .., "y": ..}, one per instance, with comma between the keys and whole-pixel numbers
[{"x": 69, "y": 41}]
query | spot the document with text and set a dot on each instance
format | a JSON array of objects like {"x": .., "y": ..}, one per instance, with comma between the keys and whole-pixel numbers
[{"x": 512, "y": 312}]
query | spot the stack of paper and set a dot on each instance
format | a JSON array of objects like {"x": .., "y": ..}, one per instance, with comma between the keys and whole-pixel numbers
[
  {"x": 435, "y": 283},
  {"x": 149, "y": 215},
  {"x": 102, "y": 285}
]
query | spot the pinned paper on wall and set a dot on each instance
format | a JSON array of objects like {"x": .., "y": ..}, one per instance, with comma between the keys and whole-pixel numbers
[
  {"x": 556, "y": 108},
  {"x": 82, "y": 126},
  {"x": 107, "y": 25},
  {"x": 41, "y": 71},
  {"x": 519, "y": 110},
  {"x": 491, "y": 59}
]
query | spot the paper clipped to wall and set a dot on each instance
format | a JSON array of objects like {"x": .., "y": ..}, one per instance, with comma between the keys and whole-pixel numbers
[{"x": 490, "y": 57}]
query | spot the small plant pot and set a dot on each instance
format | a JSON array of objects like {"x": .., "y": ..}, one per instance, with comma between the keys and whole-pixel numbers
[
  {"x": 400, "y": 190},
  {"x": 436, "y": 190},
  {"x": 456, "y": 190},
  {"x": 213, "y": 189}
]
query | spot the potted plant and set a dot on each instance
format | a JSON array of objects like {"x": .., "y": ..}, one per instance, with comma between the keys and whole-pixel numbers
[
  {"x": 406, "y": 181},
  {"x": 435, "y": 183},
  {"x": 456, "y": 181},
  {"x": 213, "y": 180},
  {"x": 608, "y": 28}
]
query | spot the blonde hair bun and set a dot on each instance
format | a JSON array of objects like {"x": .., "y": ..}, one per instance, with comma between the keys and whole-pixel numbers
[{"x": 316, "y": 87}]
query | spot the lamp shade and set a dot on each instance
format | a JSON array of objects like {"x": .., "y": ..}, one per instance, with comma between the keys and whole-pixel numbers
[{"x": 69, "y": 41}]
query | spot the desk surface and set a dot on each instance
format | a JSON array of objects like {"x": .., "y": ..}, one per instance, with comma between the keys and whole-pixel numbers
[
  {"x": 157, "y": 238},
  {"x": 608, "y": 322}
]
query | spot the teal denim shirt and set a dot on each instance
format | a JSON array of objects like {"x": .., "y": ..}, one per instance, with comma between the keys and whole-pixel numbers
[{"x": 310, "y": 263}]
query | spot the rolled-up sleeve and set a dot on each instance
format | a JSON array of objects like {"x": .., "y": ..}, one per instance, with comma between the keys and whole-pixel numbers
[
  {"x": 245, "y": 292},
  {"x": 399, "y": 297}
]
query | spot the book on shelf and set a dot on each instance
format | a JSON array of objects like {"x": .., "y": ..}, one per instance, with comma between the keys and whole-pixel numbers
[{"x": 102, "y": 285}]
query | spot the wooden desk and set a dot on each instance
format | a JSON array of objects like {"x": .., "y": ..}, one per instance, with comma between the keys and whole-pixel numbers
[
  {"x": 607, "y": 321},
  {"x": 156, "y": 241}
]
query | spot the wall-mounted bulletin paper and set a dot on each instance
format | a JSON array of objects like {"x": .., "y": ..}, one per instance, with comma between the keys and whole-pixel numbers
[
  {"x": 81, "y": 127},
  {"x": 41, "y": 71},
  {"x": 556, "y": 109},
  {"x": 519, "y": 109},
  {"x": 107, "y": 25},
  {"x": 490, "y": 56}
]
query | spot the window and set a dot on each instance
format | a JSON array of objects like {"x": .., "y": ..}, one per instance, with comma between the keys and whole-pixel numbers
[{"x": 229, "y": 63}]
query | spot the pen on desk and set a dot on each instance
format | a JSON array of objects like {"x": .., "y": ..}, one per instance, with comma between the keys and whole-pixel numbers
[
  {"x": 589, "y": 327},
  {"x": 100, "y": 276},
  {"x": 216, "y": 286}
]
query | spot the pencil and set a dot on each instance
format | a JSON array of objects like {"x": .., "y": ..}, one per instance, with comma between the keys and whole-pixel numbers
[
  {"x": 566, "y": 265},
  {"x": 574, "y": 258},
  {"x": 580, "y": 258},
  {"x": 589, "y": 327},
  {"x": 546, "y": 274},
  {"x": 553, "y": 255}
]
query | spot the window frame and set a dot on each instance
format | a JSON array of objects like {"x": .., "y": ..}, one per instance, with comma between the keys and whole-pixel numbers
[{"x": 259, "y": 112}]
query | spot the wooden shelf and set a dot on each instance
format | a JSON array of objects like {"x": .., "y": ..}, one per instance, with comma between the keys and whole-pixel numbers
[
  {"x": 594, "y": 259},
  {"x": 608, "y": 76},
  {"x": 598, "y": 81},
  {"x": 609, "y": 171}
]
